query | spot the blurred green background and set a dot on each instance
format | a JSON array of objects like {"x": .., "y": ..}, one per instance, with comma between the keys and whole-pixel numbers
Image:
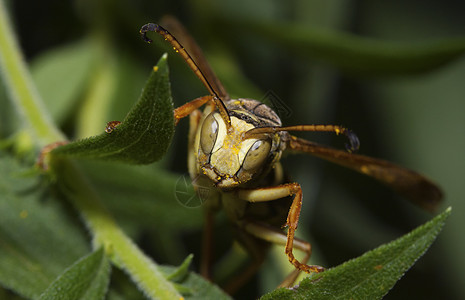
[{"x": 416, "y": 120}]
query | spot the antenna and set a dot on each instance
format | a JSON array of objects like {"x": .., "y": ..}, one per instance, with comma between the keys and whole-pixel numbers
[{"x": 190, "y": 62}]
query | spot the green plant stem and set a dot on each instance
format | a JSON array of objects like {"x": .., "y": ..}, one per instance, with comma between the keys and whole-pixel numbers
[
  {"x": 38, "y": 123},
  {"x": 21, "y": 87},
  {"x": 117, "y": 245}
]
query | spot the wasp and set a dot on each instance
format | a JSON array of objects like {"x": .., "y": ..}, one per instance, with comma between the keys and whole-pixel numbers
[{"x": 234, "y": 148}]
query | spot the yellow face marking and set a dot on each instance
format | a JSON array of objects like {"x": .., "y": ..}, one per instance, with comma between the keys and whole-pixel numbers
[{"x": 229, "y": 150}]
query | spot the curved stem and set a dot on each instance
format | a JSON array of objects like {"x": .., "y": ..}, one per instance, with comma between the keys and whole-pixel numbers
[
  {"x": 21, "y": 87},
  {"x": 119, "y": 247}
]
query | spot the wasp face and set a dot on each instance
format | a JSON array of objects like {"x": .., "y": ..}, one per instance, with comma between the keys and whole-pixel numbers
[{"x": 226, "y": 157}]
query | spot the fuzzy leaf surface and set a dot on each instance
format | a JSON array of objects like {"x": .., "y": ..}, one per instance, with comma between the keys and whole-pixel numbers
[
  {"x": 143, "y": 136},
  {"x": 371, "y": 275},
  {"x": 87, "y": 278}
]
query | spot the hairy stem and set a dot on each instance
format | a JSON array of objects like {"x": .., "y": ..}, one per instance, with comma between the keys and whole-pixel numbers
[
  {"x": 122, "y": 251},
  {"x": 21, "y": 88}
]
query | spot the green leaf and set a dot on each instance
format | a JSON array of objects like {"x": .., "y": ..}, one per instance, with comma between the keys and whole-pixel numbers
[
  {"x": 153, "y": 193},
  {"x": 88, "y": 278},
  {"x": 197, "y": 286},
  {"x": 61, "y": 75},
  {"x": 179, "y": 273},
  {"x": 122, "y": 251},
  {"x": 38, "y": 238},
  {"x": 359, "y": 54},
  {"x": 371, "y": 275},
  {"x": 145, "y": 134},
  {"x": 147, "y": 199},
  {"x": 130, "y": 79}
]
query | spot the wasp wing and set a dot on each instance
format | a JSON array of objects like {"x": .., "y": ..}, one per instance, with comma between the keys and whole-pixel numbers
[{"x": 408, "y": 183}]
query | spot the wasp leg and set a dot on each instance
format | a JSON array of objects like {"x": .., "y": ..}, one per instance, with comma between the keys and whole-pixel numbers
[
  {"x": 189, "y": 107},
  {"x": 194, "y": 121},
  {"x": 205, "y": 263},
  {"x": 278, "y": 192},
  {"x": 195, "y": 118},
  {"x": 272, "y": 235}
]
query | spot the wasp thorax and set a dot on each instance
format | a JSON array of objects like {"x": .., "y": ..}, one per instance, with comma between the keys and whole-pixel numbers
[{"x": 225, "y": 157}]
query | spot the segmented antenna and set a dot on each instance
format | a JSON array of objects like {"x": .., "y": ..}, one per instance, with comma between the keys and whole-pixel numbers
[
  {"x": 190, "y": 62},
  {"x": 353, "y": 145}
]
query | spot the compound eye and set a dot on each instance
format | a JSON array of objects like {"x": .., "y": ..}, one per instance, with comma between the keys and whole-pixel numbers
[
  {"x": 256, "y": 155},
  {"x": 208, "y": 134}
]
